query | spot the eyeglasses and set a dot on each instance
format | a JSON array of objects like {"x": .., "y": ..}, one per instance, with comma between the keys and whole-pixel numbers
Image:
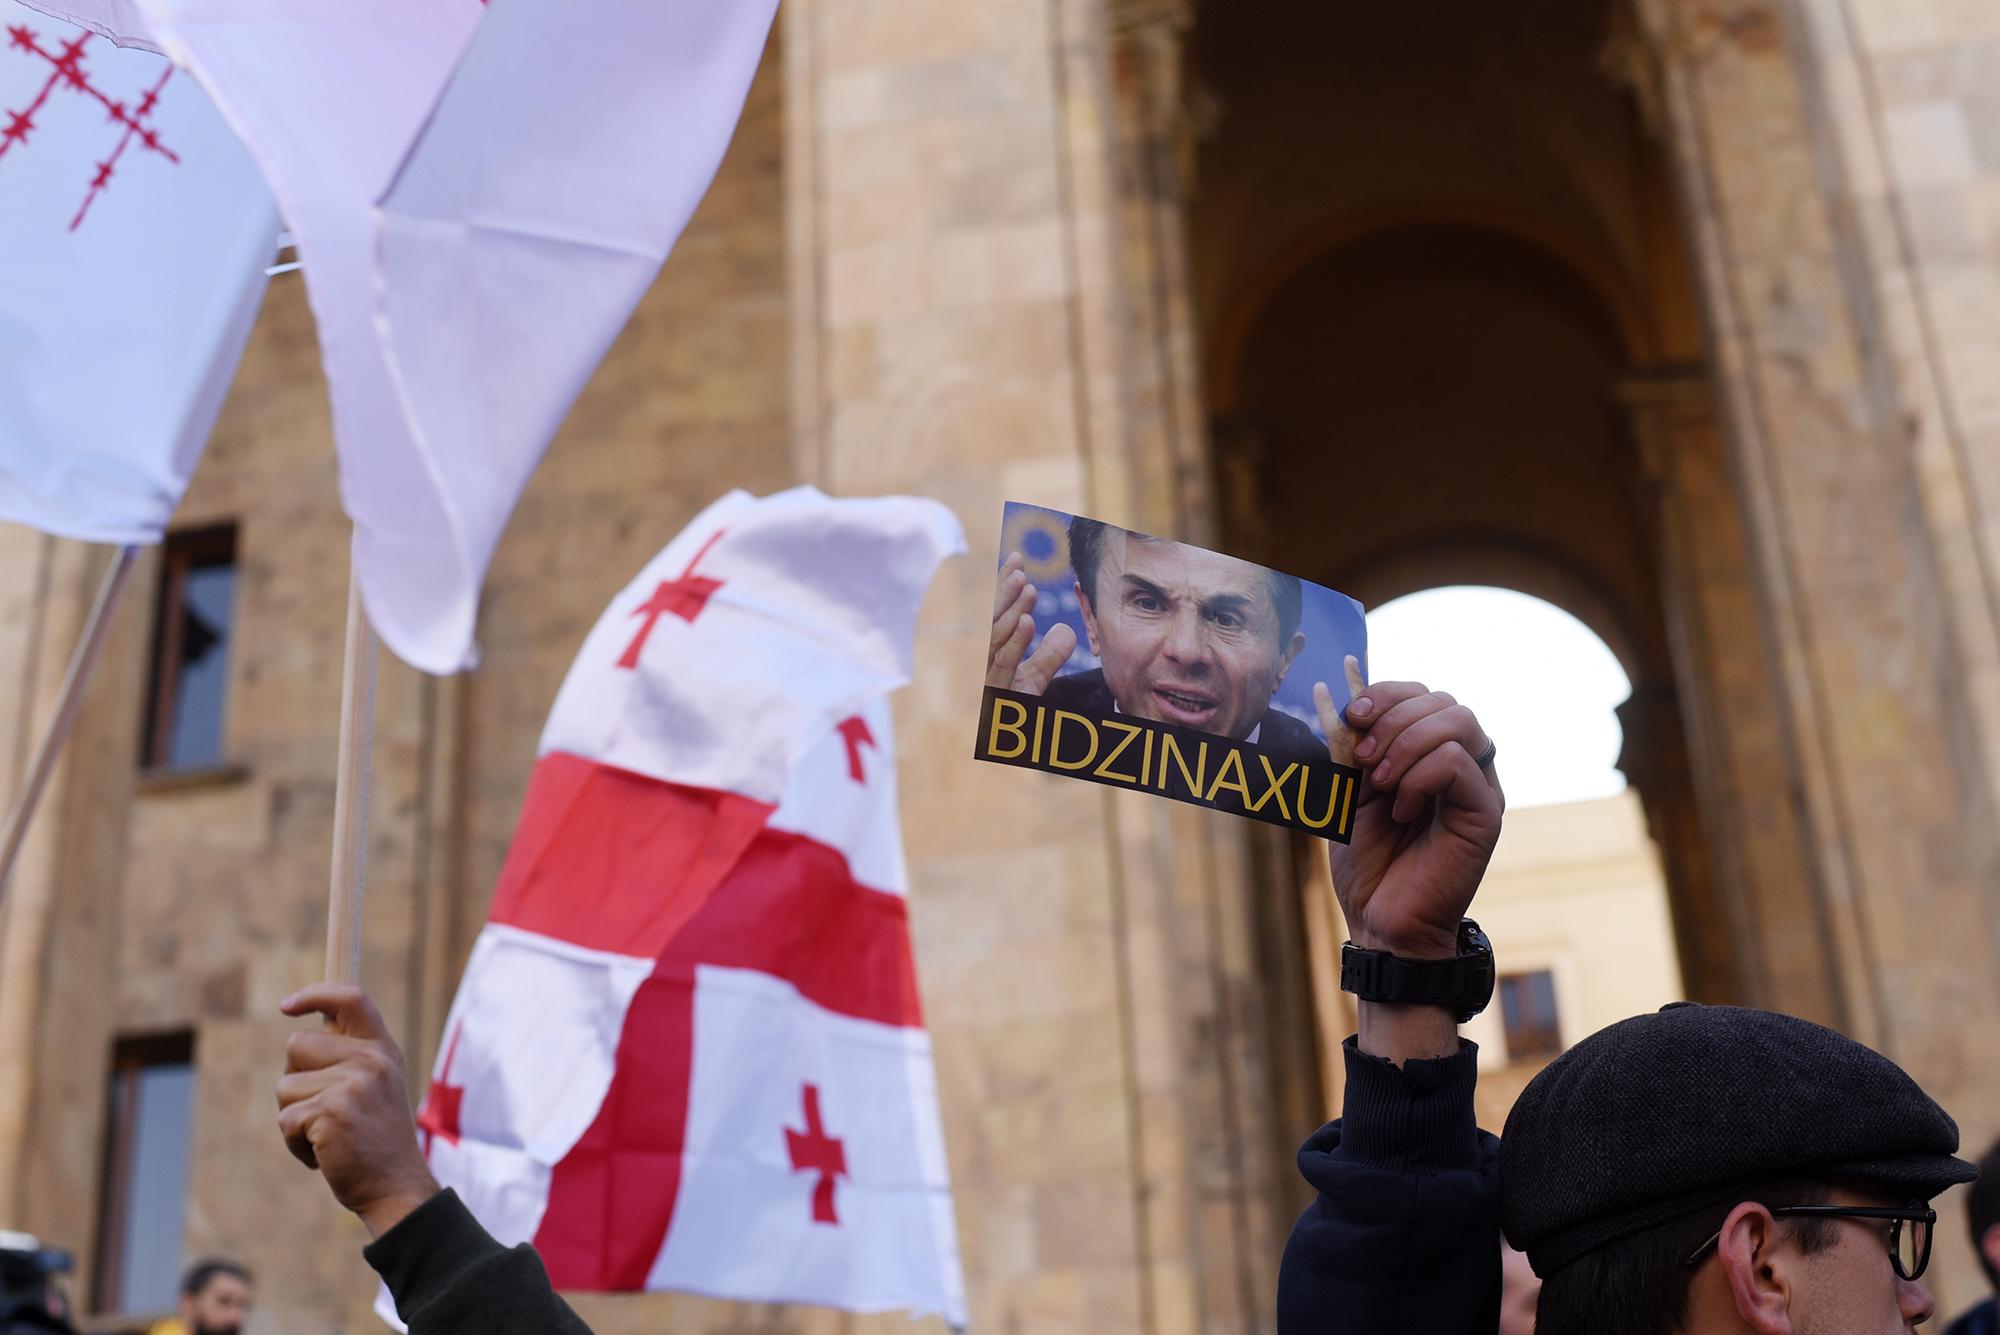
[{"x": 1909, "y": 1247}]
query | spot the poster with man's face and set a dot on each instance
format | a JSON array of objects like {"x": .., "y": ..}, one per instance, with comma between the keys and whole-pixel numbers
[{"x": 1142, "y": 662}]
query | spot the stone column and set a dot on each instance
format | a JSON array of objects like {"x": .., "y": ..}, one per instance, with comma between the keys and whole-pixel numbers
[
  {"x": 1157, "y": 133},
  {"x": 1908, "y": 134},
  {"x": 1654, "y": 761},
  {"x": 939, "y": 290},
  {"x": 1748, "y": 912},
  {"x": 1863, "y": 626},
  {"x": 966, "y": 201},
  {"x": 1245, "y": 1061}
]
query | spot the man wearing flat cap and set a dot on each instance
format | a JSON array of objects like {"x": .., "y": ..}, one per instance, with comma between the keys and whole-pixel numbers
[{"x": 1706, "y": 1170}]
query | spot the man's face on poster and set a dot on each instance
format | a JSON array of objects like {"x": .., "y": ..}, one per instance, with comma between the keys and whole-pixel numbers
[{"x": 1186, "y": 636}]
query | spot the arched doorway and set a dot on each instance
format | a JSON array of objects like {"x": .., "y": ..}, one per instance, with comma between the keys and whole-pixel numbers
[
  {"x": 1433, "y": 364},
  {"x": 1438, "y": 403}
]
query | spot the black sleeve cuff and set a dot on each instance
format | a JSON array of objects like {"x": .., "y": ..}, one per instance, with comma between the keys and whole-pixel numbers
[
  {"x": 430, "y": 1247},
  {"x": 1416, "y": 1118}
]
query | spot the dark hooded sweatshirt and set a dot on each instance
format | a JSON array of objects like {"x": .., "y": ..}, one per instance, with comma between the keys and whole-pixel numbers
[
  {"x": 449, "y": 1277},
  {"x": 1404, "y": 1238}
]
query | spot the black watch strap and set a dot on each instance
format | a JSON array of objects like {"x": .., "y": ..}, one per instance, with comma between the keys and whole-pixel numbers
[{"x": 1462, "y": 985}]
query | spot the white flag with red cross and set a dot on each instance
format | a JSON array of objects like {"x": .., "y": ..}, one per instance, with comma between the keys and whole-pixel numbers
[
  {"x": 688, "y": 1051},
  {"x": 134, "y": 235},
  {"x": 479, "y": 201}
]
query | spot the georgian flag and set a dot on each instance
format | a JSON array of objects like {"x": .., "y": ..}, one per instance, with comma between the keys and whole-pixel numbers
[
  {"x": 688, "y": 1051},
  {"x": 134, "y": 235}
]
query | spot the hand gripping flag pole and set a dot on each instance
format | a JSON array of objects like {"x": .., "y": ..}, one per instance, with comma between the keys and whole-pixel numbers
[
  {"x": 350, "y": 798},
  {"x": 68, "y": 701}
]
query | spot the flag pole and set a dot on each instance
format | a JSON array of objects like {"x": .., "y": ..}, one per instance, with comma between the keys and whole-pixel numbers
[
  {"x": 68, "y": 702},
  {"x": 350, "y": 798}
]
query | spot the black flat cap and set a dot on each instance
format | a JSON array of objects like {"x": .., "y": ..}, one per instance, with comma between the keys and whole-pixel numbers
[{"x": 1662, "y": 1115}]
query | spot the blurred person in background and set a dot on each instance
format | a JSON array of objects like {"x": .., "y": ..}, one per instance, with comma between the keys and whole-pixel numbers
[
  {"x": 1982, "y": 1215},
  {"x": 215, "y": 1300}
]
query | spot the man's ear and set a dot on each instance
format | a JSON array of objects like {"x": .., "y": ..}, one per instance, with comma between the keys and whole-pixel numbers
[
  {"x": 1089, "y": 619},
  {"x": 1290, "y": 656},
  {"x": 1760, "y": 1273},
  {"x": 1989, "y": 1246}
]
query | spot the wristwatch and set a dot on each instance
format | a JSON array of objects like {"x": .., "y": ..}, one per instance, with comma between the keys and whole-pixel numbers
[{"x": 1462, "y": 984}]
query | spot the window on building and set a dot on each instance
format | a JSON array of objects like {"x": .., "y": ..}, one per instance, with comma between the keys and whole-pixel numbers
[
  {"x": 148, "y": 1140},
  {"x": 190, "y": 680},
  {"x": 1528, "y": 1010}
]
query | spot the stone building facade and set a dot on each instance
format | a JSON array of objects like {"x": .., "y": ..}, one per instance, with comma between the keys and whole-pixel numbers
[{"x": 1683, "y": 314}]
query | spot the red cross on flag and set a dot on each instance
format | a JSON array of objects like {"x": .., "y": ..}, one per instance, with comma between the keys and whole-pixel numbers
[
  {"x": 688, "y": 1052},
  {"x": 134, "y": 234}
]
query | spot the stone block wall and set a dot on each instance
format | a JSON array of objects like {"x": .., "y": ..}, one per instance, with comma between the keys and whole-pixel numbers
[
  {"x": 908, "y": 277},
  {"x": 1832, "y": 178}
]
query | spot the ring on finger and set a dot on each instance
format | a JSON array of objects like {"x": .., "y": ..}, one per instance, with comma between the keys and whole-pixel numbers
[{"x": 1485, "y": 760}]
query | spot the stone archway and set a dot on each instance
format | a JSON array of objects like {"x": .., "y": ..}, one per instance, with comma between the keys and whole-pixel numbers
[
  {"x": 1456, "y": 386},
  {"x": 1809, "y": 451},
  {"x": 1491, "y": 368}
]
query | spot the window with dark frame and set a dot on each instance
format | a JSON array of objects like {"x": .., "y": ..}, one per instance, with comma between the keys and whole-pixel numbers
[
  {"x": 192, "y": 626},
  {"x": 149, "y": 1132},
  {"x": 1528, "y": 1012}
]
